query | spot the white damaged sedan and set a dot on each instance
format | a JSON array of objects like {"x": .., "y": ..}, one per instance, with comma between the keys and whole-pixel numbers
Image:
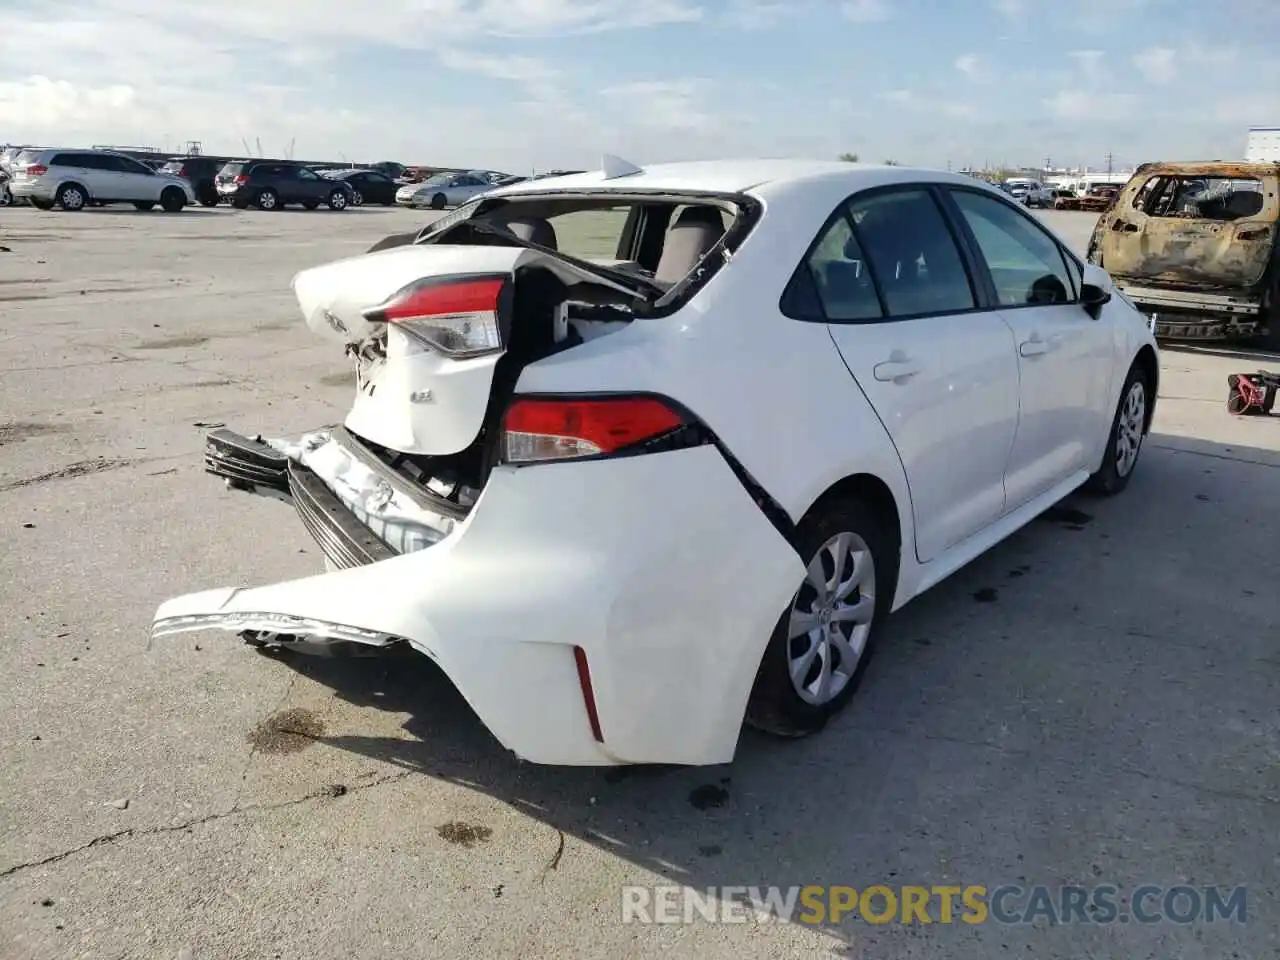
[{"x": 630, "y": 490}]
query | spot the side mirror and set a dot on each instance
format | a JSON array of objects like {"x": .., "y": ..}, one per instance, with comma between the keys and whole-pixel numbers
[{"x": 1096, "y": 290}]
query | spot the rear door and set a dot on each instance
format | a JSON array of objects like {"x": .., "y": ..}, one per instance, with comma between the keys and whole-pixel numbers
[
  {"x": 1199, "y": 231},
  {"x": 1064, "y": 353},
  {"x": 138, "y": 182},
  {"x": 940, "y": 370},
  {"x": 310, "y": 186}
]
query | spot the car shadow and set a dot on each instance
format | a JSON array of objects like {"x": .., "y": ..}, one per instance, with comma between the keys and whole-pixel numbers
[
  {"x": 851, "y": 805},
  {"x": 157, "y": 212}
]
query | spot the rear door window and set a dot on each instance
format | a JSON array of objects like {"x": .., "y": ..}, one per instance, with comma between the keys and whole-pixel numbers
[
  {"x": 590, "y": 234},
  {"x": 838, "y": 277},
  {"x": 913, "y": 257}
]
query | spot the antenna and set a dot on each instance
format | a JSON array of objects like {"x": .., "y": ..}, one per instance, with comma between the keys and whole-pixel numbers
[{"x": 614, "y": 167}]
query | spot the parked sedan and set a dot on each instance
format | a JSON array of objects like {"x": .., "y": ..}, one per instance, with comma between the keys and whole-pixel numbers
[
  {"x": 822, "y": 389},
  {"x": 367, "y": 186},
  {"x": 442, "y": 190}
]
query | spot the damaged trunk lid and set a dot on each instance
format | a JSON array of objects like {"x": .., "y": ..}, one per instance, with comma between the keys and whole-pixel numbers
[{"x": 426, "y": 325}]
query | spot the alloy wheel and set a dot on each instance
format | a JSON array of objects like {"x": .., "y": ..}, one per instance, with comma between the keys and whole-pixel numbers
[
  {"x": 830, "y": 618},
  {"x": 1133, "y": 416}
]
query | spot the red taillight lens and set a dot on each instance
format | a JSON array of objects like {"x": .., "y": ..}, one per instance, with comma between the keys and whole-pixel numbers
[
  {"x": 37, "y": 170},
  {"x": 241, "y": 180},
  {"x": 537, "y": 429},
  {"x": 458, "y": 316},
  {"x": 182, "y": 171}
]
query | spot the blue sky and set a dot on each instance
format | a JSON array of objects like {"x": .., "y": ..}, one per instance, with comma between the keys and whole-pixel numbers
[{"x": 521, "y": 84}]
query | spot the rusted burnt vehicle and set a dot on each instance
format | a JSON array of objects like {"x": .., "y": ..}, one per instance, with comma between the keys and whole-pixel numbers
[
  {"x": 1065, "y": 200},
  {"x": 1098, "y": 199},
  {"x": 1194, "y": 245}
]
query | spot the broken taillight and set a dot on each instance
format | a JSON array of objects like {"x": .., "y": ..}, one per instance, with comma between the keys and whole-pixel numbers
[
  {"x": 458, "y": 316},
  {"x": 537, "y": 428},
  {"x": 37, "y": 170},
  {"x": 241, "y": 180}
]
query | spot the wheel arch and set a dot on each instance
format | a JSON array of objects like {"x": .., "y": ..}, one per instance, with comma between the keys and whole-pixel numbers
[
  {"x": 1146, "y": 361},
  {"x": 73, "y": 182}
]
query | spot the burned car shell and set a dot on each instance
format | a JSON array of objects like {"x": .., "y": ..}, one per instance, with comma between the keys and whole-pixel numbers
[{"x": 1200, "y": 277}]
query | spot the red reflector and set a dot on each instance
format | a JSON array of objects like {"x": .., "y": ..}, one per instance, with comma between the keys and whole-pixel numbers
[
  {"x": 588, "y": 695},
  {"x": 436, "y": 298},
  {"x": 607, "y": 424},
  {"x": 37, "y": 170}
]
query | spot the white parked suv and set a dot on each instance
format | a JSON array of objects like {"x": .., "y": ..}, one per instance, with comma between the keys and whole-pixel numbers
[
  {"x": 640, "y": 453},
  {"x": 72, "y": 179}
]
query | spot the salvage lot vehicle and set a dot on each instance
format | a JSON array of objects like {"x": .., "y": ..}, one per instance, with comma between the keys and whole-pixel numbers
[
  {"x": 443, "y": 190},
  {"x": 1194, "y": 246},
  {"x": 367, "y": 186},
  {"x": 75, "y": 179},
  {"x": 625, "y": 502},
  {"x": 273, "y": 184}
]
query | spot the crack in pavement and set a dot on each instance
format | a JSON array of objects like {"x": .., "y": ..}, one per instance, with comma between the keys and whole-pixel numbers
[{"x": 321, "y": 793}]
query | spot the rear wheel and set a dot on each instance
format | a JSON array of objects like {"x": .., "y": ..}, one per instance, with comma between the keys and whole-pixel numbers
[
  {"x": 823, "y": 642},
  {"x": 6, "y": 198},
  {"x": 144, "y": 205},
  {"x": 1124, "y": 443},
  {"x": 208, "y": 195},
  {"x": 337, "y": 200},
  {"x": 268, "y": 199},
  {"x": 437, "y": 202},
  {"x": 72, "y": 197}
]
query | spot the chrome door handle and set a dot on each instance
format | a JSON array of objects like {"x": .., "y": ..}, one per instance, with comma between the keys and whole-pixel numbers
[{"x": 898, "y": 368}]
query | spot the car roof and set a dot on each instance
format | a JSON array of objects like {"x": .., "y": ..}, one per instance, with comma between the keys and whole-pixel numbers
[{"x": 733, "y": 176}]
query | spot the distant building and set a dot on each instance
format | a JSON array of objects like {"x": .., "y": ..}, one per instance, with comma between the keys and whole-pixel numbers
[{"x": 1263, "y": 145}]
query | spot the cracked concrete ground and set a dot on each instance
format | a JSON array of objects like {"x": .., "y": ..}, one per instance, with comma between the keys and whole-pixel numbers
[{"x": 1091, "y": 702}]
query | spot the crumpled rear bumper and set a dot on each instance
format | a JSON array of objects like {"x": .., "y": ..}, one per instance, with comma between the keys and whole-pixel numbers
[{"x": 644, "y": 586}]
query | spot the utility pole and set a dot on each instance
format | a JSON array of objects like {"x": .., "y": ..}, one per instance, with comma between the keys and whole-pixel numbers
[{"x": 1109, "y": 162}]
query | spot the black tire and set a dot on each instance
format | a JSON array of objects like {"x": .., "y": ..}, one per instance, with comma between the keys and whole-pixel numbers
[
  {"x": 775, "y": 705},
  {"x": 6, "y": 198},
  {"x": 310, "y": 204},
  {"x": 437, "y": 202},
  {"x": 72, "y": 197},
  {"x": 268, "y": 199},
  {"x": 1113, "y": 476},
  {"x": 239, "y": 204},
  {"x": 172, "y": 200},
  {"x": 41, "y": 204},
  {"x": 144, "y": 205},
  {"x": 357, "y": 199},
  {"x": 337, "y": 201}
]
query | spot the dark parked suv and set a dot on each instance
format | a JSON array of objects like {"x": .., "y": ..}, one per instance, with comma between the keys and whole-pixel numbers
[
  {"x": 201, "y": 173},
  {"x": 271, "y": 184}
]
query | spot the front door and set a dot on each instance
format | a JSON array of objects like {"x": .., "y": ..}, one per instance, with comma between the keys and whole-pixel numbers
[
  {"x": 941, "y": 373},
  {"x": 1064, "y": 354}
]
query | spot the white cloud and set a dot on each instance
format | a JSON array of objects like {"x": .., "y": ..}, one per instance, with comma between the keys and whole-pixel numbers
[
  {"x": 866, "y": 11},
  {"x": 1091, "y": 105},
  {"x": 760, "y": 14},
  {"x": 1010, "y": 9},
  {"x": 665, "y": 104},
  {"x": 909, "y": 100},
  {"x": 1157, "y": 64}
]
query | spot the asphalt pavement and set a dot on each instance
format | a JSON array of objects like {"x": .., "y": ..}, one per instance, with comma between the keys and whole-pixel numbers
[{"x": 1093, "y": 702}]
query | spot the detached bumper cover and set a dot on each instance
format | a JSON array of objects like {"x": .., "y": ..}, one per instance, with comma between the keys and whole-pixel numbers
[{"x": 660, "y": 568}]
